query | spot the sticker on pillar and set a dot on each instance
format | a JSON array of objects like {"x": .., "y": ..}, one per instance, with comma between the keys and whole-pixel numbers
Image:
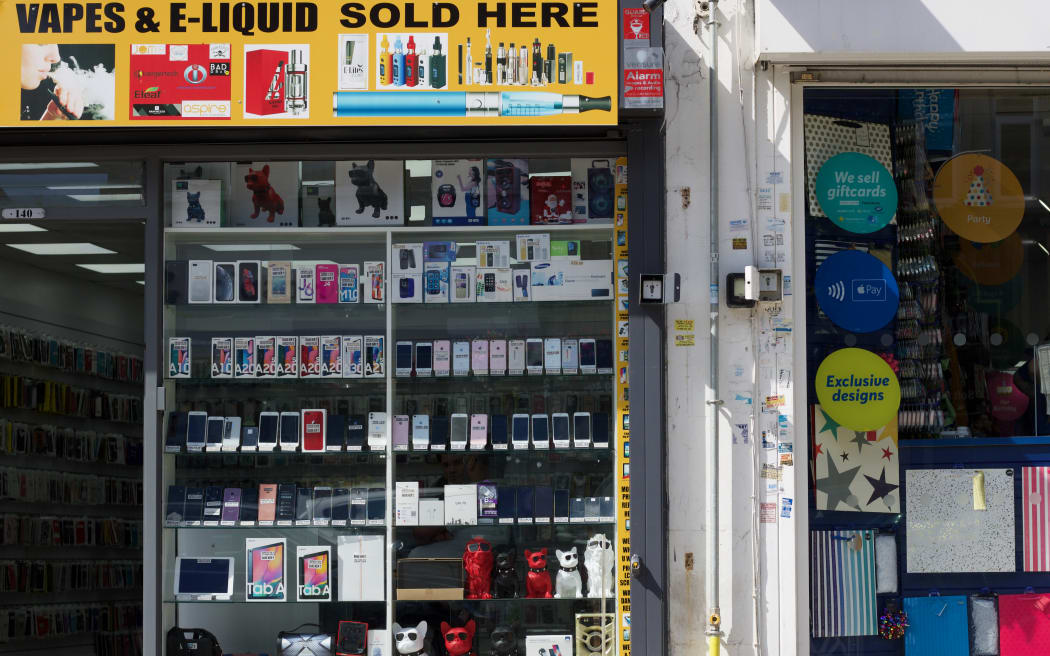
[
  {"x": 858, "y": 389},
  {"x": 993, "y": 263},
  {"x": 856, "y": 192},
  {"x": 978, "y": 197},
  {"x": 856, "y": 291}
]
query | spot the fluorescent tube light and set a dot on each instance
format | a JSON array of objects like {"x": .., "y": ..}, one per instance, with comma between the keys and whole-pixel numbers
[
  {"x": 1045, "y": 206},
  {"x": 93, "y": 186},
  {"x": 35, "y": 166},
  {"x": 74, "y": 248},
  {"x": 114, "y": 268},
  {"x": 251, "y": 247},
  {"x": 21, "y": 227},
  {"x": 100, "y": 198}
]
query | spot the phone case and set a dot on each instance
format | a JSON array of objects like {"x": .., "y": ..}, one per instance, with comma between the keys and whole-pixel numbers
[
  {"x": 516, "y": 357},
  {"x": 570, "y": 351},
  {"x": 552, "y": 355}
]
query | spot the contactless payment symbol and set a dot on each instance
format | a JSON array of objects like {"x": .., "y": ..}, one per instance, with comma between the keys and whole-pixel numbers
[
  {"x": 858, "y": 389},
  {"x": 978, "y": 197},
  {"x": 856, "y": 192},
  {"x": 856, "y": 291}
]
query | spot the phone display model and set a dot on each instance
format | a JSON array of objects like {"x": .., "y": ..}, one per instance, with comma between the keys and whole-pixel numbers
[
  {"x": 356, "y": 432},
  {"x": 267, "y": 503},
  {"x": 231, "y": 433},
  {"x": 196, "y": 432},
  {"x": 212, "y": 505},
  {"x": 516, "y": 357},
  {"x": 304, "y": 506},
  {"x": 560, "y": 430},
  {"x": 322, "y": 506},
  {"x": 289, "y": 431},
  {"x": 352, "y": 639},
  {"x": 439, "y": 431},
  {"x": 540, "y": 433},
  {"x": 313, "y": 429},
  {"x": 479, "y": 432},
  {"x": 340, "y": 506},
  {"x": 424, "y": 359},
  {"x": 286, "y": 503},
  {"x": 519, "y": 431},
  {"x": 268, "y": 427},
  {"x": 250, "y": 438},
  {"x": 335, "y": 433},
  {"x": 570, "y": 356},
  {"x": 534, "y": 356},
  {"x": 498, "y": 431},
  {"x": 588, "y": 357},
  {"x": 399, "y": 433},
  {"x": 497, "y": 357},
  {"x": 178, "y": 426},
  {"x": 231, "y": 505},
  {"x": 581, "y": 430},
  {"x": 420, "y": 432},
  {"x": 458, "y": 431},
  {"x": 604, "y": 356},
  {"x": 600, "y": 430},
  {"x": 552, "y": 355},
  {"x": 249, "y": 506},
  {"x": 460, "y": 358},
  {"x": 442, "y": 357},
  {"x": 214, "y": 434},
  {"x": 479, "y": 357},
  {"x": 561, "y": 506},
  {"x": 403, "y": 359},
  {"x": 376, "y": 506}
]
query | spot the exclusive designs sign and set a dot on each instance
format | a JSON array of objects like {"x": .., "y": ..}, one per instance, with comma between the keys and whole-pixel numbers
[
  {"x": 978, "y": 197},
  {"x": 856, "y": 192},
  {"x": 858, "y": 389},
  {"x": 856, "y": 291},
  {"x": 535, "y": 62}
]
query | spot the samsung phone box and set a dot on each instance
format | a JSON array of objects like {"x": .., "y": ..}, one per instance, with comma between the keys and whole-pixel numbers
[
  {"x": 361, "y": 567},
  {"x": 567, "y": 278}
]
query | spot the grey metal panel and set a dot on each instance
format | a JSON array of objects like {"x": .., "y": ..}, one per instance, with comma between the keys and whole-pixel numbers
[{"x": 646, "y": 237}]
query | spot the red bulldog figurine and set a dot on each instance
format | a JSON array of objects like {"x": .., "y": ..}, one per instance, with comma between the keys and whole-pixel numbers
[
  {"x": 478, "y": 562},
  {"x": 458, "y": 641},
  {"x": 538, "y": 580},
  {"x": 264, "y": 196}
]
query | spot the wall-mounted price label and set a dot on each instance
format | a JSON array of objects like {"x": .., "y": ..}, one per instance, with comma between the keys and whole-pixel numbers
[{"x": 23, "y": 213}]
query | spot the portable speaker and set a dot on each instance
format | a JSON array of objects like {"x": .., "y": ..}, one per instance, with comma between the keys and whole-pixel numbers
[
  {"x": 352, "y": 638},
  {"x": 191, "y": 642},
  {"x": 600, "y": 187},
  {"x": 508, "y": 188},
  {"x": 298, "y": 643},
  {"x": 446, "y": 195},
  {"x": 595, "y": 634}
]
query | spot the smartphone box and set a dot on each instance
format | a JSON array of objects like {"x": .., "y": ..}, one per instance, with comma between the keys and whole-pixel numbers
[
  {"x": 349, "y": 283},
  {"x": 593, "y": 190},
  {"x": 279, "y": 282},
  {"x": 493, "y": 254},
  {"x": 326, "y": 285},
  {"x": 375, "y": 282},
  {"x": 318, "y": 205},
  {"x": 305, "y": 283},
  {"x": 222, "y": 357},
  {"x": 353, "y": 356},
  {"x": 494, "y": 286},
  {"x": 406, "y": 288},
  {"x": 179, "y": 357},
  {"x": 265, "y": 357},
  {"x": 436, "y": 282},
  {"x": 458, "y": 192},
  {"x": 266, "y": 572},
  {"x": 331, "y": 359},
  {"x": 567, "y": 278},
  {"x": 249, "y": 279},
  {"x": 406, "y": 258},
  {"x": 550, "y": 199},
  {"x": 462, "y": 284},
  {"x": 376, "y": 431},
  {"x": 375, "y": 356},
  {"x": 440, "y": 251},
  {"x": 225, "y": 279},
  {"x": 508, "y": 191},
  {"x": 201, "y": 274},
  {"x": 265, "y": 194},
  {"x": 361, "y": 567},
  {"x": 287, "y": 356},
  {"x": 431, "y": 512},
  {"x": 310, "y": 357},
  {"x": 546, "y": 645},
  {"x": 244, "y": 357},
  {"x": 370, "y": 192},
  {"x": 461, "y": 505},
  {"x": 314, "y": 570},
  {"x": 406, "y": 503},
  {"x": 196, "y": 203}
]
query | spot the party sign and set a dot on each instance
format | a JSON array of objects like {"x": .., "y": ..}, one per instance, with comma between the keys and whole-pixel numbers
[
  {"x": 978, "y": 197},
  {"x": 856, "y": 291},
  {"x": 856, "y": 192},
  {"x": 858, "y": 389}
]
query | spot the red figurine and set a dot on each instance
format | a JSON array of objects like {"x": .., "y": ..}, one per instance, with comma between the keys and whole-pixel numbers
[
  {"x": 538, "y": 580},
  {"x": 478, "y": 561},
  {"x": 458, "y": 641},
  {"x": 264, "y": 196}
]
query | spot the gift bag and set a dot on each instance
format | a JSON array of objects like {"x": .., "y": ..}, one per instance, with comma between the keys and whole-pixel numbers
[
  {"x": 827, "y": 136},
  {"x": 937, "y": 626}
]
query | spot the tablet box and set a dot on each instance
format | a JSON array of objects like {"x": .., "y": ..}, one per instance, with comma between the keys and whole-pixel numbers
[{"x": 361, "y": 567}]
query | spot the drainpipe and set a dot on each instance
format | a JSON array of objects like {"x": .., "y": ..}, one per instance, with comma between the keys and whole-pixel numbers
[{"x": 713, "y": 402}]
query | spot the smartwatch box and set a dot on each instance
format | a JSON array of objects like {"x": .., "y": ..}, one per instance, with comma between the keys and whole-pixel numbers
[
  {"x": 494, "y": 286},
  {"x": 406, "y": 288},
  {"x": 436, "y": 282},
  {"x": 461, "y": 284}
]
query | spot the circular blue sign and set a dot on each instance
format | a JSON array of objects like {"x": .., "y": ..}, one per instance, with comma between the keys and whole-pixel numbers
[
  {"x": 856, "y": 291},
  {"x": 856, "y": 192}
]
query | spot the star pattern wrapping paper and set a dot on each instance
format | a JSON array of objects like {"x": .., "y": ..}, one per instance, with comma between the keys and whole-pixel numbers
[{"x": 855, "y": 471}]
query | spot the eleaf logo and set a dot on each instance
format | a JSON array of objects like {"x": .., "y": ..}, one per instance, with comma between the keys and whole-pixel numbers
[
  {"x": 150, "y": 92},
  {"x": 195, "y": 74}
]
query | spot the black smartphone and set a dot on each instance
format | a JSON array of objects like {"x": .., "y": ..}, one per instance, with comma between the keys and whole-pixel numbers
[
  {"x": 600, "y": 429},
  {"x": 403, "y": 358},
  {"x": 439, "y": 433},
  {"x": 322, "y": 503},
  {"x": 340, "y": 504},
  {"x": 250, "y": 438},
  {"x": 506, "y": 502},
  {"x": 250, "y": 504},
  {"x": 525, "y": 509},
  {"x": 303, "y": 504},
  {"x": 335, "y": 438},
  {"x": 543, "y": 503},
  {"x": 285, "y": 502},
  {"x": 376, "y": 504},
  {"x": 194, "y": 512},
  {"x": 356, "y": 432},
  {"x": 358, "y": 505},
  {"x": 176, "y": 505},
  {"x": 561, "y": 505},
  {"x": 604, "y": 354},
  {"x": 178, "y": 425},
  {"x": 498, "y": 428},
  {"x": 212, "y": 503},
  {"x": 289, "y": 431},
  {"x": 268, "y": 429},
  {"x": 214, "y": 439}
]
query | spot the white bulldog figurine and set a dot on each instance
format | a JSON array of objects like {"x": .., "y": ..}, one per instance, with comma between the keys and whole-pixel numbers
[
  {"x": 568, "y": 583},
  {"x": 599, "y": 561},
  {"x": 411, "y": 640}
]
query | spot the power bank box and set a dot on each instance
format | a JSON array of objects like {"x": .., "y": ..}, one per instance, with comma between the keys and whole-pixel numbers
[
  {"x": 406, "y": 288},
  {"x": 349, "y": 283},
  {"x": 327, "y": 283},
  {"x": 249, "y": 281},
  {"x": 196, "y": 203},
  {"x": 369, "y": 192},
  {"x": 461, "y": 505},
  {"x": 287, "y": 356},
  {"x": 305, "y": 283},
  {"x": 331, "y": 360},
  {"x": 374, "y": 282},
  {"x": 225, "y": 288},
  {"x": 494, "y": 286},
  {"x": 266, "y": 357},
  {"x": 361, "y": 567},
  {"x": 179, "y": 357},
  {"x": 493, "y": 254},
  {"x": 265, "y": 579},
  {"x": 436, "y": 282},
  {"x": 279, "y": 282},
  {"x": 567, "y": 278},
  {"x": 310, "y": 357},
  {"x": 222, "y": 357},
  {"x": 431, "y": 512},
  {"x": 508, "y": 191},
  {"x": 461, "y": 284},
  {"x": 375, "y": 356},
  {"x": 314, "y": 572},
  {"x": 353, "y": 356},
  {"x": 406, "y": 258},
  {"x": 406, "y": 503},
  {"x": 244, "y": 357},
  {"x": 200, "y": 281}
]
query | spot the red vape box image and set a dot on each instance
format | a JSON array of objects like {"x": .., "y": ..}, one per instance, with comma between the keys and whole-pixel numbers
[
  {"x": 179, "y": 81},
  {"x": 264, "y": 81}
]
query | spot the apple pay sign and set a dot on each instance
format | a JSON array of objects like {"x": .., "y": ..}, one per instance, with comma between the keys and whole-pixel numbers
[{"x": 856, "y": 291}]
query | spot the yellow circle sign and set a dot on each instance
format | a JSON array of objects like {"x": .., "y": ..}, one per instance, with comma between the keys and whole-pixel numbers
[
  {"x": 991, "y": 264},
  {"x": 858, "y": 389},
  {"x": 978, "y": 197}
]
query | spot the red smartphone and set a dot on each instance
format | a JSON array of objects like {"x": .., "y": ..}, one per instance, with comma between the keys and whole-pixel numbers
[{"x": 313, "y": 429}]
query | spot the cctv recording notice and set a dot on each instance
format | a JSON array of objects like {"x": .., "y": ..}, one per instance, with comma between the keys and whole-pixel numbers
[{"x": 180, "y": 81}]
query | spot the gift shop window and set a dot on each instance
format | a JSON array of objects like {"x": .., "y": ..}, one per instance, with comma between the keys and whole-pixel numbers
[{"x": 927, "y": 224}]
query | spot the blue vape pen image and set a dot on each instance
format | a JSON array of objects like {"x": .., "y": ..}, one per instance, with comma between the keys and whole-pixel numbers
[{"x": 463, "y": 103}]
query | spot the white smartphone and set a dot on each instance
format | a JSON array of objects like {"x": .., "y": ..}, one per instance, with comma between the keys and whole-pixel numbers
[
  {"x": 460, "y": 358},
  {"x": 581, "y": 430},
  {"x": 519, "y": 431},
  {"x": 458, "y": 431},
  {"x": 288, "y": 433},
  {"x": 534, "y": 356},
  {"x": 231, "y": 434},
  {"x": 420, "y": 432},
  {"x": 516, "y": 357},
  {"x": 552, "y": 355}
]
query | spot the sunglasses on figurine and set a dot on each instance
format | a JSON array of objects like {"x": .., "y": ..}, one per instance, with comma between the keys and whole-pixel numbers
[
  {"x": 452, "y": 636},
  {"x": 478, "y": 546},
  {"x": 400, "y": 635}
]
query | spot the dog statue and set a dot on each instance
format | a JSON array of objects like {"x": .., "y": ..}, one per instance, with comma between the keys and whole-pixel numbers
[
  {"x": 368, "y": 190},
  {"x": 599, "y": 559},
  {"x": 325, "y": 215},
  {"x": 567, "y": 582},
  {"x": 538, "y": 580},
  {"x": 194, "y": 211},
  {"x": 264, "y": 196},
  {"x": 478, "y": 561},
  {"x": 504, "y": 642},
  {"x": 411, "y": 640},
  {"x": 506, "y": 583},
  {"x": 458, "y": 641}
]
